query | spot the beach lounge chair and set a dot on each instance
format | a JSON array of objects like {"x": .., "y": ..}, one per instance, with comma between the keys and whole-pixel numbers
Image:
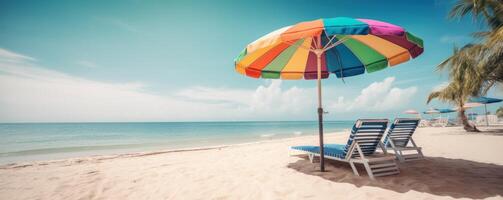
[
  {"x": 361, "y": 147},
  {"x": 398, "y": 136}
]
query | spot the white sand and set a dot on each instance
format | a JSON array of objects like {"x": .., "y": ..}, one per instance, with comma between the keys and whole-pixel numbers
[{"x": 458, "y": 165}]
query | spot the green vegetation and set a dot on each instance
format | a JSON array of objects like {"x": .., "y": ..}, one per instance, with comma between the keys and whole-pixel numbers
[{"x": 499, "y": 112}]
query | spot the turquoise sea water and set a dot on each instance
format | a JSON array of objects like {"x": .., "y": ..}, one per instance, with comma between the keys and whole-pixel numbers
[{"x": 44, "y": 141}]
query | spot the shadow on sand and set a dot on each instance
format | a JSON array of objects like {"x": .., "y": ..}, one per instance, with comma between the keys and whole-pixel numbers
[
  {"x": 456, "y": 178},
  {"x": 494, "y": 131}
]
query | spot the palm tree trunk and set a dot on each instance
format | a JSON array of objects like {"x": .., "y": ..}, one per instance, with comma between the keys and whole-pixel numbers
[{"x": 464, "y": 120}]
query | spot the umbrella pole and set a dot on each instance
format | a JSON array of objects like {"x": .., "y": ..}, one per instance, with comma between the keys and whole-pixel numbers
[
  {"x": 320, "y": 112},
  {"x": 487, "y": 119}
]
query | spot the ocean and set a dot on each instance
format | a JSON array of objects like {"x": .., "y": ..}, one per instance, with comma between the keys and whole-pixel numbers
[{"x": 22, "y": 142}]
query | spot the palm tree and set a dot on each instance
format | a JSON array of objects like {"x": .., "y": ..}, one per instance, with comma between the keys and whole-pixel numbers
[
  {"x": 491, "y": 59},
  {"x": 451, "y": 94},
  {"x": 490, "y": 10},
  {"x": 475, "y": 68},
  {"x": 465, "y": 81},
  {"x": 489, "y": 52}
]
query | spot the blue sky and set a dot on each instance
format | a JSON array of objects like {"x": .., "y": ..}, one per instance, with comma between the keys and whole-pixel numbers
[{"x": 177, "y": 57}]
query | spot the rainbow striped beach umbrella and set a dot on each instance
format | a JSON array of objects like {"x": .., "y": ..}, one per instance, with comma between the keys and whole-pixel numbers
[{"x": 315, "y": 49}]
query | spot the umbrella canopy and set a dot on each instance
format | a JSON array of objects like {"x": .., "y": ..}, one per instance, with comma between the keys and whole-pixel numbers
[
  {"x": 485, "y": 101},
  {"x": 439, "y": 111},
  {"x": 445, "y": 110},
  {"x": 412, "y": 112},
  {"x": 469, "y": 105},
  {"x": 431, "y": 111},
  {"x": 314, "y": 49},
  {"x": 350, "y": 47}
]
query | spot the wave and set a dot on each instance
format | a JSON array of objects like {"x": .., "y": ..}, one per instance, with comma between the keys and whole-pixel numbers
[
  {"x": 297, "y": 132},
  {"x": 70, "y": 149},
  {"x": 267, "y": 135}
]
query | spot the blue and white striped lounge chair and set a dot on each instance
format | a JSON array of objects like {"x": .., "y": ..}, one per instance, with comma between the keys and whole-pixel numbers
[
  {"x": 361, "y": 148},
  {"x": 398, "y": 136}
]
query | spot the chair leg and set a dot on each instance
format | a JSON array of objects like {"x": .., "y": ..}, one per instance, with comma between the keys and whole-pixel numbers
[
  {"x": 418, "y": 149},
  {"x": 369, "y": 171},
  {"x": 399, "y": 155},
  {"x": 383, "y": 147},
  {"x": 355, "y": 171},
  {"x": 420, "y": 152}
]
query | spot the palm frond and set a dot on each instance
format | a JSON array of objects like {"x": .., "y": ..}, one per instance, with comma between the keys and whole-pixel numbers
[
  {"x": 433, "y": 95},
  {"x": 491, "y": 11}
]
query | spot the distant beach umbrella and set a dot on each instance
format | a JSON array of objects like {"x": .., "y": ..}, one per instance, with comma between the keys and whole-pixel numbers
[
  {"x": 470, "y": 105},
  {"x": 411, "y": 112},
  {"x": 314, "y": 49},
  {"x": 439, "y": 111},
  {"x": 432, "y": 111},
  {"x": 445, "y": 110},
  {"x": 485, "y": 101}
]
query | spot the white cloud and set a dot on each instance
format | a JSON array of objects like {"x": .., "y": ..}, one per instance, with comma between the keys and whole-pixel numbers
[
  {"x": 269, "y": 99},
  {"x": 36, "y": 94},
  {"x": 378, "y": 96},
  {"x": 33, "y": 93},
  {"x": 216, "y": 95},
  {"x": 9, "y": 56}
]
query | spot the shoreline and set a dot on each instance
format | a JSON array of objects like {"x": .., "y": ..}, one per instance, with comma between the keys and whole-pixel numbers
[
  {"x": 108, "y": 156},
  {"x": 56, "y": 141},
  {"x": 80, "y": 159}
]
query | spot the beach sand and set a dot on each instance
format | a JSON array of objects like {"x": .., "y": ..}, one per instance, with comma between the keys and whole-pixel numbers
[{"x": 457, "y": 165}]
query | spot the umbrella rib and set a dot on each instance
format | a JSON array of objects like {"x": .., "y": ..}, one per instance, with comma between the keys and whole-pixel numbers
[
  {"x": 329, "y": 40},
  {"x": 315, "y": 43},
  {"x": 318, "y": 43},
  {"x": 335, "y": 44}
]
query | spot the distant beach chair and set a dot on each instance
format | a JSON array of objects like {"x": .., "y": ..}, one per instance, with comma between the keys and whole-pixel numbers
[
  {"x": 361, "y": 148},
  {"x": 398, "y": 136},
  {"x": 424, "y": 123}
]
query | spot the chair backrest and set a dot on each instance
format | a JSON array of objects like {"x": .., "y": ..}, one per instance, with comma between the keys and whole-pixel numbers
[
  {"x": 367, "y": 133},
  {"x": 401, "y": 131}
]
